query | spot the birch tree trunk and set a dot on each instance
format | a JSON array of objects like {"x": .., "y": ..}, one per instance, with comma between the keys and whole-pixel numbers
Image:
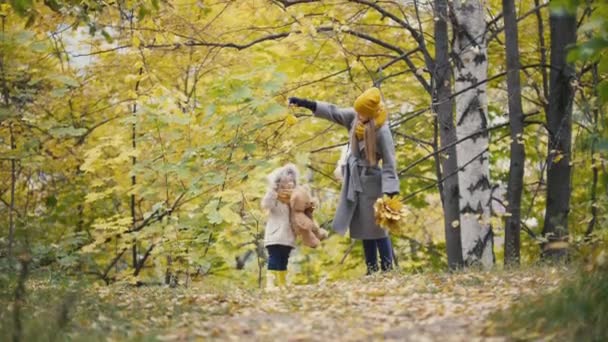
[{"x": 469, "y": 54}]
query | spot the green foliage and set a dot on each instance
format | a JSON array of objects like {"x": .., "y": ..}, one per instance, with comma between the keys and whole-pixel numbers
[
  {"x": 57, "y": 308},
  {"x": 565, "y": 6},
  {"x": 593, "y": 47}
]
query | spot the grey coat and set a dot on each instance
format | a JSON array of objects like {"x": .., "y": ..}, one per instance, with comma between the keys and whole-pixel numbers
[{"x": 363, "y": 184}]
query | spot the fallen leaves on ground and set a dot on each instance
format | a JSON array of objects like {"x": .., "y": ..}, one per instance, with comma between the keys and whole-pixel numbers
[
  {"x": 422, "y": 307},
  {"x": 447, "y": 307}
]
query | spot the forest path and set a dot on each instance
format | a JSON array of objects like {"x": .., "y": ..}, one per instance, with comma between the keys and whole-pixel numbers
[{"x": 423, "y": 307}]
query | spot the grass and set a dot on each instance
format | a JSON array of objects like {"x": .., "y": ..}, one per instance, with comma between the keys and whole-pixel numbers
[
  {"x": 576, "y": 311},
  {"x": 57, "y": 308}
]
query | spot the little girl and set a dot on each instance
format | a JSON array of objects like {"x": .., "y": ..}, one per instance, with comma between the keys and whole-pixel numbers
[{"x": 279, "y": 238}]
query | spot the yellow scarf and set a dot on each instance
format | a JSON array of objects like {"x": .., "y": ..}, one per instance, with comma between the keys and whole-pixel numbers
[{"x": 379, "y": 121}]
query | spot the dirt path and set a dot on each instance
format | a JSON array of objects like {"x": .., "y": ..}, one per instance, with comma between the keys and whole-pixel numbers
[{"x": 427, "y": 307}]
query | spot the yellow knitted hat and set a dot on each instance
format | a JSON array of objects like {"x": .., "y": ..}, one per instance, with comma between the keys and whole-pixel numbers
[{"x": 369, "y": 104}]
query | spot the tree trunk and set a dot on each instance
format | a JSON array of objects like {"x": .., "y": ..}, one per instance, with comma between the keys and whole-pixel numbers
[
  {"x": 19, "y": 300},
  {"x": 11, "y": 209},
  {"x": 543, "y": 54},
  {"x": 559, "y": 122},
  {"x": 594, "y": 161},
  {"x": 518, "y": 153},
  {"x": 436, "y": 157},
  {"x": 133, "y": 179},
  {"x": 471, "y": 67},
  {"x": 442, "y": 106}
]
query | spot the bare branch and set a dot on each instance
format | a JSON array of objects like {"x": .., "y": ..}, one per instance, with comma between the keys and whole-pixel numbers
[
  {"x": 157, "y": 215},
  {"x": 192, "y": 43},
  {"x": 287, "y": 3},
  {"x": 140, "y": 264},
  {"x": 347, "y": 252},
  {"x": 99, "y": 52},
  {"x": 495, "y": 33},
  {"x": 396, "y": 59},
  {"x": 440, "y": 181},
  {"x": 333, "y": 180},
  {"x": 412, "y": 138},
  {"x": 415, "y": 34},
  {"x": 325, "y": 148},
  {"x": 304, "y": 84},
  {"x": 104, "y": 276},
  {"x": 470, "y": 136}
]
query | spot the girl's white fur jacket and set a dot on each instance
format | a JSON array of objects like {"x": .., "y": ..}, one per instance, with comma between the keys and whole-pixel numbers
[{"x": 278, "y": 228}]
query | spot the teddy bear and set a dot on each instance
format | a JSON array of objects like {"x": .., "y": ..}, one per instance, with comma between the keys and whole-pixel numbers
[{"x": 302, "y": 222}]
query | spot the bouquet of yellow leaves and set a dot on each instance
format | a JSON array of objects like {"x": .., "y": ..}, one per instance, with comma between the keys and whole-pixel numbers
[{"x": 390, "y": 213}]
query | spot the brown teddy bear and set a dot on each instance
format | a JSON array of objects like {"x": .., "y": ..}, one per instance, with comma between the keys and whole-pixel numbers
[{"x": 302, "y": 221}]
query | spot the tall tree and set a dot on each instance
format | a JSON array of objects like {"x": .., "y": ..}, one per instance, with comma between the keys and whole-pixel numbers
[
  {"x": 470, "y": 60},
  {"x": 517, "y": 152},
  {"x": 559, "y": 121},
  {"x": 442, "y": 106},
  {"x": 6, "y": 105}
]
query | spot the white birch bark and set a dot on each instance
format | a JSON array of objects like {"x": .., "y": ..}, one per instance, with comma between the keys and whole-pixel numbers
[{"x": 471, "y": 67}]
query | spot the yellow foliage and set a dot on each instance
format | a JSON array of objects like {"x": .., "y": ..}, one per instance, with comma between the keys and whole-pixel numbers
[
  {"x": 390, "y": 214},
  {"x": 291, "y": 120}
]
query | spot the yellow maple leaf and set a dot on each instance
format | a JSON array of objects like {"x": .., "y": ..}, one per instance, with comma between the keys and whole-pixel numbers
[{"x": 291, "y": 119}]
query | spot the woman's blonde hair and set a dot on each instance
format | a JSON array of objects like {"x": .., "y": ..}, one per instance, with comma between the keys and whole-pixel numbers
[{"x": 369, "y": 140}]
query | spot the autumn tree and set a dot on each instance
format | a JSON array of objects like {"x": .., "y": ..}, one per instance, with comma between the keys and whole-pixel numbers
[
  {"x": 562, "y": 83},
  {"x": 470, "y": 64}
]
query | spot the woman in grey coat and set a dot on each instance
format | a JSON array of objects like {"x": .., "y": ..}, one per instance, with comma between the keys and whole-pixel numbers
[{"x": 364, "y": 181}]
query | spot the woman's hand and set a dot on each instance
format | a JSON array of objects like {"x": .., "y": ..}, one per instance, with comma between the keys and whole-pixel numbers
[{"x": 298, "y": 102}]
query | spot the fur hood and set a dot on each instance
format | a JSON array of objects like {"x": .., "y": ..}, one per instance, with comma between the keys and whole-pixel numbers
[{"x": 275, "y": 176}]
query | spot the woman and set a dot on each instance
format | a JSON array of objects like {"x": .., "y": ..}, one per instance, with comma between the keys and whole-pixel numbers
[{"x": 364, "y": 181}]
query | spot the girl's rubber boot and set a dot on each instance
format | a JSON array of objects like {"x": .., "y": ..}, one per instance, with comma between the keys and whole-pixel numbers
[
  {"x": 272, "y": 279},
  {"x": 281, "y": 279}
]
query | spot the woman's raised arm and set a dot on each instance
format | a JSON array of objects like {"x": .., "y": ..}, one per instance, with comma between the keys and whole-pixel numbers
[{"x": 328, "y": 111}]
